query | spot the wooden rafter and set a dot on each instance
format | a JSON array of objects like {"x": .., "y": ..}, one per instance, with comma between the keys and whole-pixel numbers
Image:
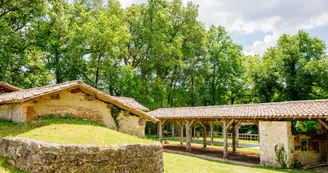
[
  {"x": 229, "y": 124},
  {"x": 323, "y": 123}
]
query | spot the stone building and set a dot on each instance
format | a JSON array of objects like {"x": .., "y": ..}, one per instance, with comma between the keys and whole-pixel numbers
[{"x": 76, "y": 99}]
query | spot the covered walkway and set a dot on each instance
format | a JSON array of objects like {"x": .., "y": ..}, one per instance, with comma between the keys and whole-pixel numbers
[{"x": 233, "y": 115}]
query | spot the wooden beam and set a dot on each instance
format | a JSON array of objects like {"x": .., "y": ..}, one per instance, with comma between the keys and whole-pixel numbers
[
  {"x": 237, "y": 132},
  {"x": 76, "y": 90},
  {"x": 160, "y": 133},
  {"x": 194, "y": 130},
  {"x": 219, "y": 122},
  {"x": 230, "y": 123},
  {"x": 234, "y": 136},
  {"x": 173, "y": 130},
  {"x": 323, "y": 123},
  {"x": 212, "y": 135},
  {"x": 110, "y": 106},
  {"x": 188, "y": 136},
  {"x": 162, "y": 122},
  {"x": 181, "y": 133},
  {"x": 225, "y": 139},
  {"x": 90, "y": 97},
  {"x": 126, "y": 113},
  {"x": 204, "y": 135}
]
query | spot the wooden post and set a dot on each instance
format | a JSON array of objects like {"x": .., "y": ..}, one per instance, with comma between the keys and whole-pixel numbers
[
  {"x": 194, "y": 131},
  {"x": 234, "y": 136},
  {"x": 172, "y": 130},
  {"x": 160, "y": 133},
  {"x": 181, "y": 133},
  {"x": 237, "y": 134},
  {"x": 212, "y": 135},
  {"x": 188, "y": 136},
  {"x": 326, "y": 146},
  {"x": 204, "y": 135},
  {"x": 225, "y": 139}
]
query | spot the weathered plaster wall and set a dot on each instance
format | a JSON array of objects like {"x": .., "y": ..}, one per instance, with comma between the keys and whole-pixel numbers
[
  {"x": 76, "y": 105},
  {"x": 132, "y": 125},
  {"x": 303, "y": 158},
  {"x": 273, "y": 133},
  {"x": 11, "y": 112},
  {"x": 36, "y": 156}
]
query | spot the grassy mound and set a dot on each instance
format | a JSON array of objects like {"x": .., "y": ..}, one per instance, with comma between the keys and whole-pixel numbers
[{"x": 66, "y": 130}]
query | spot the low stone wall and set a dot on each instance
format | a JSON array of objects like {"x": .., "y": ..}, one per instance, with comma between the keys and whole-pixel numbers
[
  {"x": 303, "y": 158},
  {"x": 37, "y": 156}
]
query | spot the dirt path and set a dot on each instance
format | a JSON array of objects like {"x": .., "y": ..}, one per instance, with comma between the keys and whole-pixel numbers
[{"x": 242, "y": 156}]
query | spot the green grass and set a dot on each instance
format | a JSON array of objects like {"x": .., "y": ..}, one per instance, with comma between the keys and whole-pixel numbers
[
  {"x": 6, "y": 168},
  {"x": 176, "y": 163},
  {"x": 66, "y": 130}
]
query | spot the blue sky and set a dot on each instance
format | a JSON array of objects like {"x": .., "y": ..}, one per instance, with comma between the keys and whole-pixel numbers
[{"x": 257, "y": 24}]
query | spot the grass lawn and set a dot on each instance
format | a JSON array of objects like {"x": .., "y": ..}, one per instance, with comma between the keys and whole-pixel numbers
[
  {"x": 174, "y": 163},
  {"x": 77, "y": 131},
  {"x": 69, "y": 131},
  {"x": 5, "y": 168}
]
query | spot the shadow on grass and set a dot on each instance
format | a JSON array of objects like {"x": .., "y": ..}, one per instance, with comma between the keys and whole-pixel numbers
[
  {"x": 11, "y": 129},
  {"x": 6, "y": 168}
]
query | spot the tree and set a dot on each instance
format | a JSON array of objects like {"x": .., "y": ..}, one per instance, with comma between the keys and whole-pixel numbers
[
  {"x": 225, "y": 64},
  {"x": 21, "y": 64},
  {"x": 300, "y": 64}
]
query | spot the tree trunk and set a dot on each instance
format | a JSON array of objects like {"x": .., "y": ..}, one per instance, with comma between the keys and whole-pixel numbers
[{"x": 97, "y": 70}]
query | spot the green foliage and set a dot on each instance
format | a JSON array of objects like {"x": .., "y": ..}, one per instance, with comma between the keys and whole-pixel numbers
[
  {"x": 115, "y": 112},
  {"x": 281, "y": 155},
  {"x": 157, "y": 52},
  {"x": 304, "y": 126}
]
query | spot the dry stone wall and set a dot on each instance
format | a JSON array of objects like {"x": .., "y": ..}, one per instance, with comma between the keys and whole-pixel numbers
[
  {"x": 37, "y": 156},
  {"x": 303, "y": 158}
]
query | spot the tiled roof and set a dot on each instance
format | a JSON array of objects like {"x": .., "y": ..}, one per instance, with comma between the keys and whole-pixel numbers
[
  {"x": 132, "y": 102},
  {"x": 28, "y": 94},
  {"x": 309, "y": 109}
]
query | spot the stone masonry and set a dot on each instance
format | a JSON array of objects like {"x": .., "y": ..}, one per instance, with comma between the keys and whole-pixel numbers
[
  {"x": 37, "y": 156},
  {"x": 274, "y": 133}
]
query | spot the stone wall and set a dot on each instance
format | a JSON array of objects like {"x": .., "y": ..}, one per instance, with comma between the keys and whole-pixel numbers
[
  {"x": 78, "y": 105},
  {"x": 36, "y": 156},
  {"x": 274, "y": 133},
  {"x": 303, "y": 158},
  {"x": 11, "y": 112}
]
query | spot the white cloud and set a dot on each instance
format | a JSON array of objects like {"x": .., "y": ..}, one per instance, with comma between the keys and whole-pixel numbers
[
  {"x": 271, "y": 17},
  {"x": 127, "y": 3},
  {"x": 259, "y": 47}
]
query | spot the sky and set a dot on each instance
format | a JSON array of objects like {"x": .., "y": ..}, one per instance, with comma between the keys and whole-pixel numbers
[{"x": 257, "y": 24}]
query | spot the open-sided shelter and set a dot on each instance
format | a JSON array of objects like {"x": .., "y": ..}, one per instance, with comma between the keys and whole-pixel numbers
[{"x": 274, "y": 122}]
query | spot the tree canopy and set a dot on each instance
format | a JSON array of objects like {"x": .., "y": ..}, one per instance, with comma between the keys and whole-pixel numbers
[{"x": 157, "y": 52}]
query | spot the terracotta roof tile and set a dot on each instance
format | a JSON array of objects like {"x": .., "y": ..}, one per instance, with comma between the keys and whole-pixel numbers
[
  {"x": 132, "y": 102},
  {"x": 309, "y": 109},
  {"x": 125, "y": 103}
]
